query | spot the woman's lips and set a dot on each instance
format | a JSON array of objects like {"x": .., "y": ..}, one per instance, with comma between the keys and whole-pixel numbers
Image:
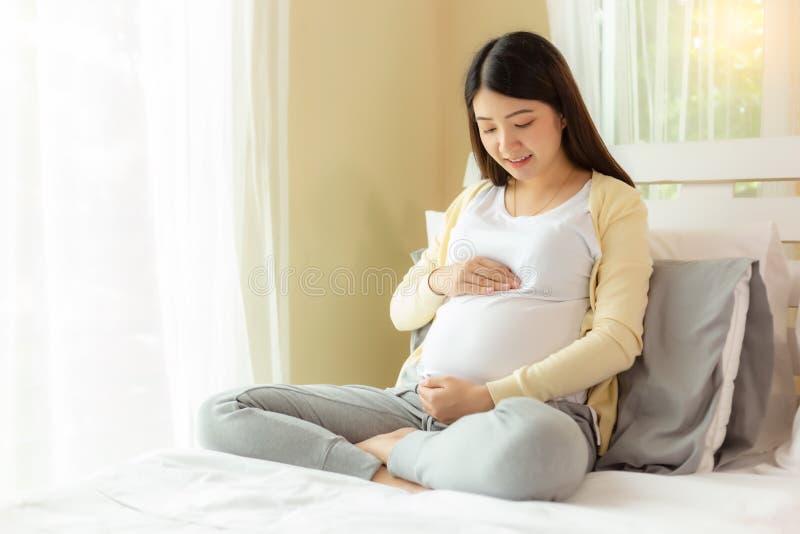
[{"x": 517, "y": 164}]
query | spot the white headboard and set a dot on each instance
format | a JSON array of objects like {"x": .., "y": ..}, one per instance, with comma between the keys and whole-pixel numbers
[{"x": 707, "y": 172}]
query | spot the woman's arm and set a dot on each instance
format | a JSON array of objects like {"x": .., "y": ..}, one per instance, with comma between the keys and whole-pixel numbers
[
  {"x": 615, "y": 338},
  {"x": 414, "y": 303}
]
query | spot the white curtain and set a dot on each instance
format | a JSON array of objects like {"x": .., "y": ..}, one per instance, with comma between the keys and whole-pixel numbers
[
  {"x": 681, "y": 70},
  {"x": 142, "y": 168},
  {"x": 575, "y": 29},
  {"x": 780, "y": 109}
]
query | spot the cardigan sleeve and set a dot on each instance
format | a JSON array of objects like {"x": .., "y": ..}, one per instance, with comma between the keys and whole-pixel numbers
[
  {"x": 615, "y": 337},
  {"x": 413, "y": 302}
]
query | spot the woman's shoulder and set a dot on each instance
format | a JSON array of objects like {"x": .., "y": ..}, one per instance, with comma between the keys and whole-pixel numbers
[
  {"x": 481, "y": 186},
  {"x": 606, "y": 185},
  {"x": 609, "y": 193},
  {"x": 466, "y": 195},
  {"x": 613, "y": 200}
]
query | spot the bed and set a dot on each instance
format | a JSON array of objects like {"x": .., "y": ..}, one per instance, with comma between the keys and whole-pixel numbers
[
  {"x": 175, "y": 490},
  {"x": 196, "y": 490}
]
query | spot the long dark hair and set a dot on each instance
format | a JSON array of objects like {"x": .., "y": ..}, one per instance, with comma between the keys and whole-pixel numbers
[{"x": 526, "y": 65}]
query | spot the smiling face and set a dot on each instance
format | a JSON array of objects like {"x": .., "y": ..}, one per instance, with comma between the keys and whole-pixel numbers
[{"x": 513, "y": 128}]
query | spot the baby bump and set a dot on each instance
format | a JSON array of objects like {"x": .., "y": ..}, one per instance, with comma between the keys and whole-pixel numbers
[{"x": 486, "y": 337}]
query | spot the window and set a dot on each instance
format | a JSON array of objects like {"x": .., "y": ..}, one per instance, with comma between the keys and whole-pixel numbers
[{"x": 681, "y": 70}]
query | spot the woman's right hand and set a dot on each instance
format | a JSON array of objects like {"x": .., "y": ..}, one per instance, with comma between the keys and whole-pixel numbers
[{"x": 476, "y": 276}]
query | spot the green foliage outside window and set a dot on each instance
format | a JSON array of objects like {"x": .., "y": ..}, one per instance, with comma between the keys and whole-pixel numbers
[{"x": 712, "y": 81}]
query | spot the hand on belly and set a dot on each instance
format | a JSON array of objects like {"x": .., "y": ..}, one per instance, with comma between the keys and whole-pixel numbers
[{"x": 448, "y": 398}]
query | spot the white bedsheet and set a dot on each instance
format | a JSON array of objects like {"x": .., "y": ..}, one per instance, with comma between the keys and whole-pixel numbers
[{"x": 195, "y": 490}]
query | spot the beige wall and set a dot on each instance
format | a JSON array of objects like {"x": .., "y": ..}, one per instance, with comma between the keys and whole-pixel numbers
[{"x": 376, "y": 135}]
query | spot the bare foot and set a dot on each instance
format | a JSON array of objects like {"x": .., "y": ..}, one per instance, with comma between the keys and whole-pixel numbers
[
  {"x": 382, "y": 476},
  {"x": 381, "y": 445}
]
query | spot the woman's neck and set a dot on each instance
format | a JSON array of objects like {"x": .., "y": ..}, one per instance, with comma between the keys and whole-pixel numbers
[{"x": 556, "y": 176}]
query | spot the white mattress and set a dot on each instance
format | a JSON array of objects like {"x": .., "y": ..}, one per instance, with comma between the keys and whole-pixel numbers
[{"x": 194, "y": 490}]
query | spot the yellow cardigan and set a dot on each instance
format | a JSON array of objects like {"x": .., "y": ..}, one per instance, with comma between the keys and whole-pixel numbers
[{"x": 611, "y": 331}]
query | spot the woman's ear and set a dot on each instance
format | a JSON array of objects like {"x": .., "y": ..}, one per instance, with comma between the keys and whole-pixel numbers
[{"x": 563, "y": 122}]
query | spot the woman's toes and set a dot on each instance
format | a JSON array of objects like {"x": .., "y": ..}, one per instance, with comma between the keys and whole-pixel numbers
[{"x": 404, "y": 431}]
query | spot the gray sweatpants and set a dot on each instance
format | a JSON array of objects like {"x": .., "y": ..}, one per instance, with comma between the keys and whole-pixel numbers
[{"x": 523, "y": 449}]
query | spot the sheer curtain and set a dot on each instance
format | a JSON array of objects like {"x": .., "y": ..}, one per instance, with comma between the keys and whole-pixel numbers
[
  {"x": 683, "y": 70},
  {"x": 142, "y": 168}
]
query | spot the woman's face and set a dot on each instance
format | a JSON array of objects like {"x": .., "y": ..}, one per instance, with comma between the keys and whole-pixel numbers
[{"x": 513, "y": 128}]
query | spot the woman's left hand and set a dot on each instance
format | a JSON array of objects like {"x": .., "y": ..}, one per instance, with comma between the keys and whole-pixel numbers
[{"x": 447, "y": 398}]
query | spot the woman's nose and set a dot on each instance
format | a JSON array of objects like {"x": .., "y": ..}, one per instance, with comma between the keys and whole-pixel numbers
[{"x": 508, "y": 143}]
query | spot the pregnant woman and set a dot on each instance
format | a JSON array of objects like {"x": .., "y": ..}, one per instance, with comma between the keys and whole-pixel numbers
[{"x": 537, "y": 287}]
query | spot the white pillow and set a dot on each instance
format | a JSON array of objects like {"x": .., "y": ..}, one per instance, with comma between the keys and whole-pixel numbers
[
  {"x": 758, "y": 241},
  {"x": 729, "y": 365},
  {"x": 788, "y": 454}
]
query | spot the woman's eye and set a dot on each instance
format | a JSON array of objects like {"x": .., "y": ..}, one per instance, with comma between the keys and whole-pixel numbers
[{"x": 490, "y": 130}]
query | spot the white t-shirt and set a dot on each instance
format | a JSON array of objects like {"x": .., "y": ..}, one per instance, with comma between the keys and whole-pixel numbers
[{"x": 486, "y": 337}]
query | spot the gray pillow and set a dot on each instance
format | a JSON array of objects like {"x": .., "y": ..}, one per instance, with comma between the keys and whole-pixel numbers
[
  {"x": 751, "y": 388},
  {"x": 667, "y": 398}
]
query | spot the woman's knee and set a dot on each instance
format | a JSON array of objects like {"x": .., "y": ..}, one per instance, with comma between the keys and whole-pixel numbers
[
  {"x": 210, "y": 417},
  {"x": 542, "y": 455}
]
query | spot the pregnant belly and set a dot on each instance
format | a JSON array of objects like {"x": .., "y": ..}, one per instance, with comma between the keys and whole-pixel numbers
[{"x": 486, "y": 337}]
